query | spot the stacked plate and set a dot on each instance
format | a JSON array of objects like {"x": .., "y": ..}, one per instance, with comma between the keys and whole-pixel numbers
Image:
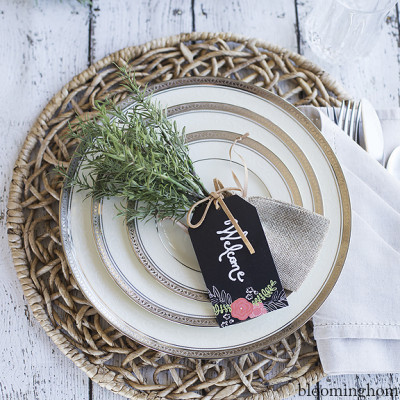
[{"x": 144, "y": 278}]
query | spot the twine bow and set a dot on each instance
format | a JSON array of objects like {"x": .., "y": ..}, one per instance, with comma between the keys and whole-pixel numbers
[{"x": 217, "y": 197}]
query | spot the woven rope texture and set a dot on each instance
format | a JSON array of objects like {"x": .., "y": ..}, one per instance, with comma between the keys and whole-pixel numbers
[{"x": 107, "y": 356}]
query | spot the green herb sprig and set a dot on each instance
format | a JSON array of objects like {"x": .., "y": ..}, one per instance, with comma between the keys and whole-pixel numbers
[{"x": 138, "y": 155}]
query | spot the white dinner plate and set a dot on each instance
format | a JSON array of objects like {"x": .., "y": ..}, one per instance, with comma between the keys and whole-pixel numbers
[
  {"x": 163, "y": 248},
  {"x": 277, "y": 126}
]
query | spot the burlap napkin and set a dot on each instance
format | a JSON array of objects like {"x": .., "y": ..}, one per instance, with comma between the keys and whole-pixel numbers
[{"x": 295, "y": 236}]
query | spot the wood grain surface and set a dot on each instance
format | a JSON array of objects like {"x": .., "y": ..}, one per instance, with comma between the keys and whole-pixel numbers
[{"x": 44, "y": 43}]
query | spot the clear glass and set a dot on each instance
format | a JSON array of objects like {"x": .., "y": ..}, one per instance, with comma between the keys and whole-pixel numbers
[{"x": 345, "y": 30}]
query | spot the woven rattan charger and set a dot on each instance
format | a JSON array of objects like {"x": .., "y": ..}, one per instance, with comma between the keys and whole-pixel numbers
[{"x": 106, "y": 355}]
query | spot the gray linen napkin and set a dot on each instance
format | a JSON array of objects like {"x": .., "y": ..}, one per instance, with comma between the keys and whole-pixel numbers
[{"x": 295, "y": 236}]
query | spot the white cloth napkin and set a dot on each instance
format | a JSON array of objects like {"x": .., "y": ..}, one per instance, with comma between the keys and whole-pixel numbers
[{"x": 357, "y": 329}]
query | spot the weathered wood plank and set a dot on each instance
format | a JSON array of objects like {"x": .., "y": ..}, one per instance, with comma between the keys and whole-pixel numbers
[
  {"x": 377, "y": 76},
  {"x": 32, "y": 366},
  {"x": 42, "y": 49},
  {"x": 273, "y": 21},
  {"x": 123, "y": 23}
]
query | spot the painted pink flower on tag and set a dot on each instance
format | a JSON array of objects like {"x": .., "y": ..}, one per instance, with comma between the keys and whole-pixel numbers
[
  {"x": 241, "y": 309},
  {"x": 258, "y": 309}
]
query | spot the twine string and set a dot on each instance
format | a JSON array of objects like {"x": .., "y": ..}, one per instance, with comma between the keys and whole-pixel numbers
[
  {"x": 246, "y": 171},
  {"x": 217, "y": 197}
]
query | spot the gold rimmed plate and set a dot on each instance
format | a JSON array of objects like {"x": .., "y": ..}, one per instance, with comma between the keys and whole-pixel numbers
[{"x": 289, "y": 135}]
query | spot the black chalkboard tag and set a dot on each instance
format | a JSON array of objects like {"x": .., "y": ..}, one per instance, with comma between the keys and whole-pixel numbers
[{"x": 241, "y": 285}]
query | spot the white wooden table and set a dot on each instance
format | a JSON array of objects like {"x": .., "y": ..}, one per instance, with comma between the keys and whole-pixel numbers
[{"x": 43, "y": 44}]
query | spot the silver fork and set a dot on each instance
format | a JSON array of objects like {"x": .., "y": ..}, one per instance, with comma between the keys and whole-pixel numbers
[{"x": 348, "y": 119}]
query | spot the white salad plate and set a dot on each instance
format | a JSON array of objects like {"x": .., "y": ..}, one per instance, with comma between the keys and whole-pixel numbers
[{"x": 144, "y": 278}]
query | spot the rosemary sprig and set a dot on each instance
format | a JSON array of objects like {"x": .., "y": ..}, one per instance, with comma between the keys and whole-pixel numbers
[{"x": 138, "y": 155}]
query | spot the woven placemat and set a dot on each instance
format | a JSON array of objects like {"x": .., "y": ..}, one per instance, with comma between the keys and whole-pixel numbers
[{"x": 106, "y": 355}]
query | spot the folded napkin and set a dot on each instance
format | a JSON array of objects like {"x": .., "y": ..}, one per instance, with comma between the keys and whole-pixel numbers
[
  {"x": 357, "y": 329},
  {"x": 295, "y": 236}
]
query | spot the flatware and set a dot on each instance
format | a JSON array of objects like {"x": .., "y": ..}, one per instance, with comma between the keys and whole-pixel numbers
[
  {"x": 359, "y": 120},
  {"x": 393, "y": 163},
  {"x": 347, "y": 117},
  {"x": 371, "y": 134}
]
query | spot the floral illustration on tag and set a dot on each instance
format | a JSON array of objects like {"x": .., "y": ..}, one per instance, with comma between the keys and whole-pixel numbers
[
  {"x": 278, "y": 300},
  {"x": 258, "y": 309},
  {"x": 241, "y": 309},
  {"x": 221, "y": 302},
  {"x": 254, "y": 304}
]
